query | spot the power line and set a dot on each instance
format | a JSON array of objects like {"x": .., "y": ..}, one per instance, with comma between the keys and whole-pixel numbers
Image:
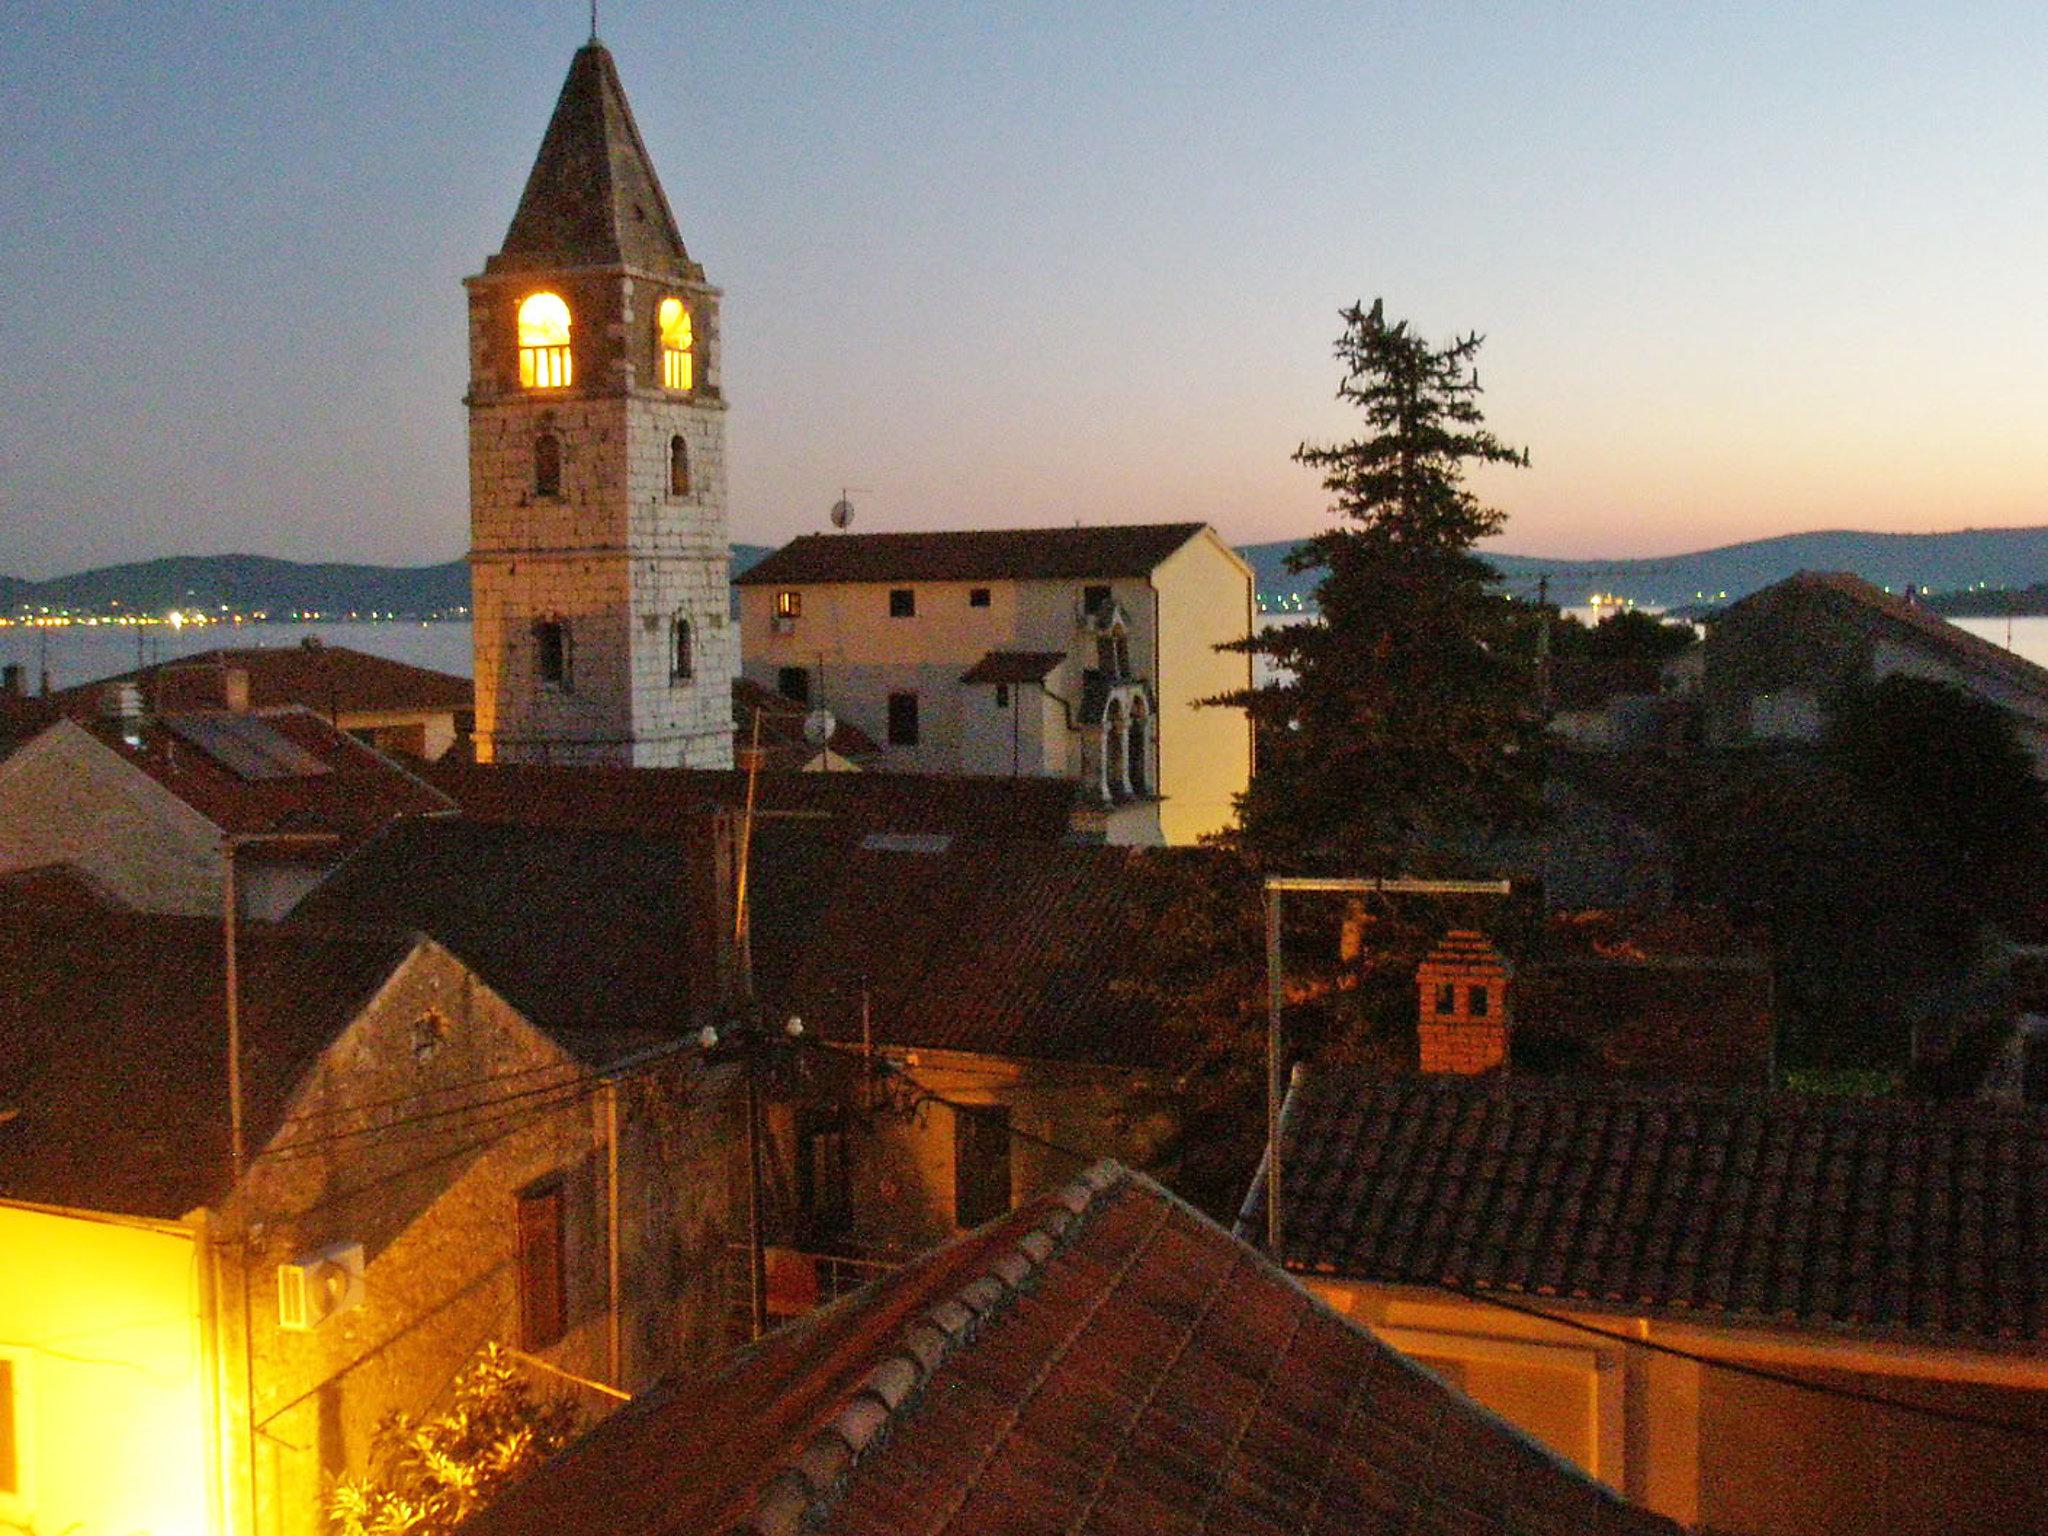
[{"x": 1961, "y": 1417}]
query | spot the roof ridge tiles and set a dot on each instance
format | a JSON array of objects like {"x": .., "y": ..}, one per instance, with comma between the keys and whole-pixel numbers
[{"x": 795, "y": 1494}]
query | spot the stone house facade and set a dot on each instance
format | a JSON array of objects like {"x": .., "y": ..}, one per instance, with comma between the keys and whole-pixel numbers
[
  {"x": 1073, "y": 653},
  {"x": 597, "y": 462},
  {"x": 425, "y": 1171}
]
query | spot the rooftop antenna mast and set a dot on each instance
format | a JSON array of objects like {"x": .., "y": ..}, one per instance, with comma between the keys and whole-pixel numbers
[{"x": 593, "y": 20}]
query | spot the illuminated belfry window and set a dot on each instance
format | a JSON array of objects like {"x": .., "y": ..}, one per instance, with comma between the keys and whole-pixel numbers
[
  {"x": 677, "y": 363},
  {"x": 544, "y": 342}
]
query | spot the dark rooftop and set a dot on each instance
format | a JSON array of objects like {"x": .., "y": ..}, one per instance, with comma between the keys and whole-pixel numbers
[
  {"x": 1005, "y": 554},
  {"x": 326, "y": 679},
  {"x": 592, "y": 198},
  {"x": 1014, "y": 667},
  {"x": 113, "y": 1045},
  {"x": 1101, "y": 1361},
  {"x": 1880, "y": 1217}
]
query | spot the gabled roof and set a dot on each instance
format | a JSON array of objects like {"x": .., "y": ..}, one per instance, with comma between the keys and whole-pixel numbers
[
  {"x": 1913, "y": 620},
  {"x": 592, "y": 198},
  {"x": 113, "y": 1045},
  {"x": 327, "y": 679},
  {"x": 1101, "y": 1361},
  {"x": 1014, "y": 667},
  {"x": 587, "y": 934},
  {"x": 842, "y": 806},
  {"x": 1006, "y": 554},
  {"x": 1876, "y": 1217},
  {"x": 350, "y": 792}
]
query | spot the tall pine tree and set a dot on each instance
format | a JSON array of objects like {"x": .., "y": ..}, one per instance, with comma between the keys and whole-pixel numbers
[{"x": 1403, "y": 730}]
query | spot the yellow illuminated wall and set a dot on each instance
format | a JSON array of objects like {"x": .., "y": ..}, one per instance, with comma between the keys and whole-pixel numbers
[
  {"x": 103, "y": 1336},
  {"x": 676, "y": 343},
  {"x": 544, "y": 361}
]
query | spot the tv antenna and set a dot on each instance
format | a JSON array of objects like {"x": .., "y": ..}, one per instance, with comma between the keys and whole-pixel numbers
[{"x": 842, "y": 509}]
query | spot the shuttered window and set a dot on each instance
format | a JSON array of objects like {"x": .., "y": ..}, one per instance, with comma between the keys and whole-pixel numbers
[
  {"x": 981, "y": 1164},
  {"x": 543, "y": 1298}
]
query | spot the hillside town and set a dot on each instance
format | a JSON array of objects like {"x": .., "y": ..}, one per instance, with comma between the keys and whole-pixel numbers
[{"x": 968, "y": 1030}]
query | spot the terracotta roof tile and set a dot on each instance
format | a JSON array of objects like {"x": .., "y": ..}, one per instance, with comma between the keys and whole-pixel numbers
[
  {"x": 1150, "y": 1374},
  {"x": 846, "y": 806},
  {"x": 113, "y": 1045},
  {"x": 1004, "y": 554},
  {"x": 323, "y": 678},
  {"x": 1878, "y": 1216}
]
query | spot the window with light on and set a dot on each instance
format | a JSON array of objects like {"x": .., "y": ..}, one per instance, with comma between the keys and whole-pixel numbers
[
  {"x": 544, "y": 342},
  {"x": 673, "y": 321}
]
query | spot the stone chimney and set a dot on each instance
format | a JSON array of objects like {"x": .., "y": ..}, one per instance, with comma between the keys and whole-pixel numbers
[
  {"x": 1463, "y": 992},
  {"x": 711, "y": 861}
]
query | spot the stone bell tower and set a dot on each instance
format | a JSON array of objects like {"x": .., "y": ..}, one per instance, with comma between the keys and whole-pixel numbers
[{"x": 597, "y": 462}]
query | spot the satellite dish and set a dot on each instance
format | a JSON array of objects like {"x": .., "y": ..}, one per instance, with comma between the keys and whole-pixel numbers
[
  {"x": 819, "y": 726},
  {"x": 842, "y": 512}
]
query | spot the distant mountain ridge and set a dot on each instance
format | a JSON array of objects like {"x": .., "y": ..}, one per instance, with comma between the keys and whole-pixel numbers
[
  {"x": 1938, "y": 562},
  {"x": 2000, "y": 558},
  {"x": 248, "y": 584}
]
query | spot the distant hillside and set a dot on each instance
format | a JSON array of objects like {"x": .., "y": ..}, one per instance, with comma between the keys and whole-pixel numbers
[
  {"x": 1939, "y": 562},
  {"x": 249, "y": 584}
]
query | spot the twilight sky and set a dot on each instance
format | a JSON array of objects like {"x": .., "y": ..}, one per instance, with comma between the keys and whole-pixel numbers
[{"x": 1741, "y": 272}]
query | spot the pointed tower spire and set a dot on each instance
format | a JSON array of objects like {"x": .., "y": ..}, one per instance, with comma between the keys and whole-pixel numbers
[{"x": 592, "y": 199}]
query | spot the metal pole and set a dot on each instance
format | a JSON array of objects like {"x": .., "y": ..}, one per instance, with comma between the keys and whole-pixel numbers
[
  {"x": 614, "y": 1341},
  {"x": 757, "y": 1255},
  {"x": 237, "y": 1148},
  {"x": 1275, "y": 998}
]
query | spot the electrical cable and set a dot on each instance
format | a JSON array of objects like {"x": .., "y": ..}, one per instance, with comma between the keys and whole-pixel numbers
[{"x": 1960, "y": 1417}]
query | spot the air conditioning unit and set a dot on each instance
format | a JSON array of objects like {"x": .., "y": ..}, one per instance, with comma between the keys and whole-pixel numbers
[
  {"x": 313, "y": 1289},
  {"x": 782, "y": 624}
]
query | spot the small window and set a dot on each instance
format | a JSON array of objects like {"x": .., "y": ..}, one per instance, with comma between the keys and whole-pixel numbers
[
  {"x": 1477, "y": 1001},
  {"x": 1447, "y": 997},
  {"x": 789, "y": 605},
  {"x": 678, "y": 466},
  {"x": 1094, "y": 599},
  {"x": 1002, "y": 695},
  {"x": 429, "y": 1034},
  {"x": 543, "y": 1293},
  {"x": 547, "y": 465},
  {"x": 902, "y": 602},
  {"x": 551, "y": 648},
  {"x": 977, "y": 597},
  {"x": 902, "y": 719},
  {"x": 678, "y": 360},
  {"x": 981, "y": 1164},
  {"x": 544, "y": 361},
  {"x": 681, "y": 665},
  {"x": 794, "y": 683},
  {"x": 824, "y": 1174}
]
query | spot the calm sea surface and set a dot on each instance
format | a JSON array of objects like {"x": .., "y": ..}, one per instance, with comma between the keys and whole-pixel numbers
[{"x": 80, "y": 653}]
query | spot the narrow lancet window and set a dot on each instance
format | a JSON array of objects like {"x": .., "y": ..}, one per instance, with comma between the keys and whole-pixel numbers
[
  {"x": 547, "y": 465},
  {"x": 544, "y": 342},
  {"x": 678, "y": 467},
  {"x": 678, "y": 370}
]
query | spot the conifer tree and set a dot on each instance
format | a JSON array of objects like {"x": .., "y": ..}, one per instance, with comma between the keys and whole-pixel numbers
[{"x": 1404, "y": 724}]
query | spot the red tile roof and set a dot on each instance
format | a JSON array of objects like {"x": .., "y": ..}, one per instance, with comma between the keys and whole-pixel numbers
[
  {"x": 327, "y": 679},
  {"x": 1014, "y": 667},
  {"x": 848, "y": 805},
  {"x": 1005, "y": 950},
  {"x": 358, "y": 791},
  {"x": 1101, "y": 1361},
  {"x": 113, "y": 1046},
  {"x": 1905, "y": 1218},
  {"x": 993, "y": 554}
]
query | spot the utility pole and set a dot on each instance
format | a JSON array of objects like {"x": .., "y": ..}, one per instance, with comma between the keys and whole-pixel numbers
[{"x": 1278, "y": 888}]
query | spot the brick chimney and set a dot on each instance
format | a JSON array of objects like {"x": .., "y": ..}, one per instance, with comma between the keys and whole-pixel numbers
[{"x": 1462, "y": 989}]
